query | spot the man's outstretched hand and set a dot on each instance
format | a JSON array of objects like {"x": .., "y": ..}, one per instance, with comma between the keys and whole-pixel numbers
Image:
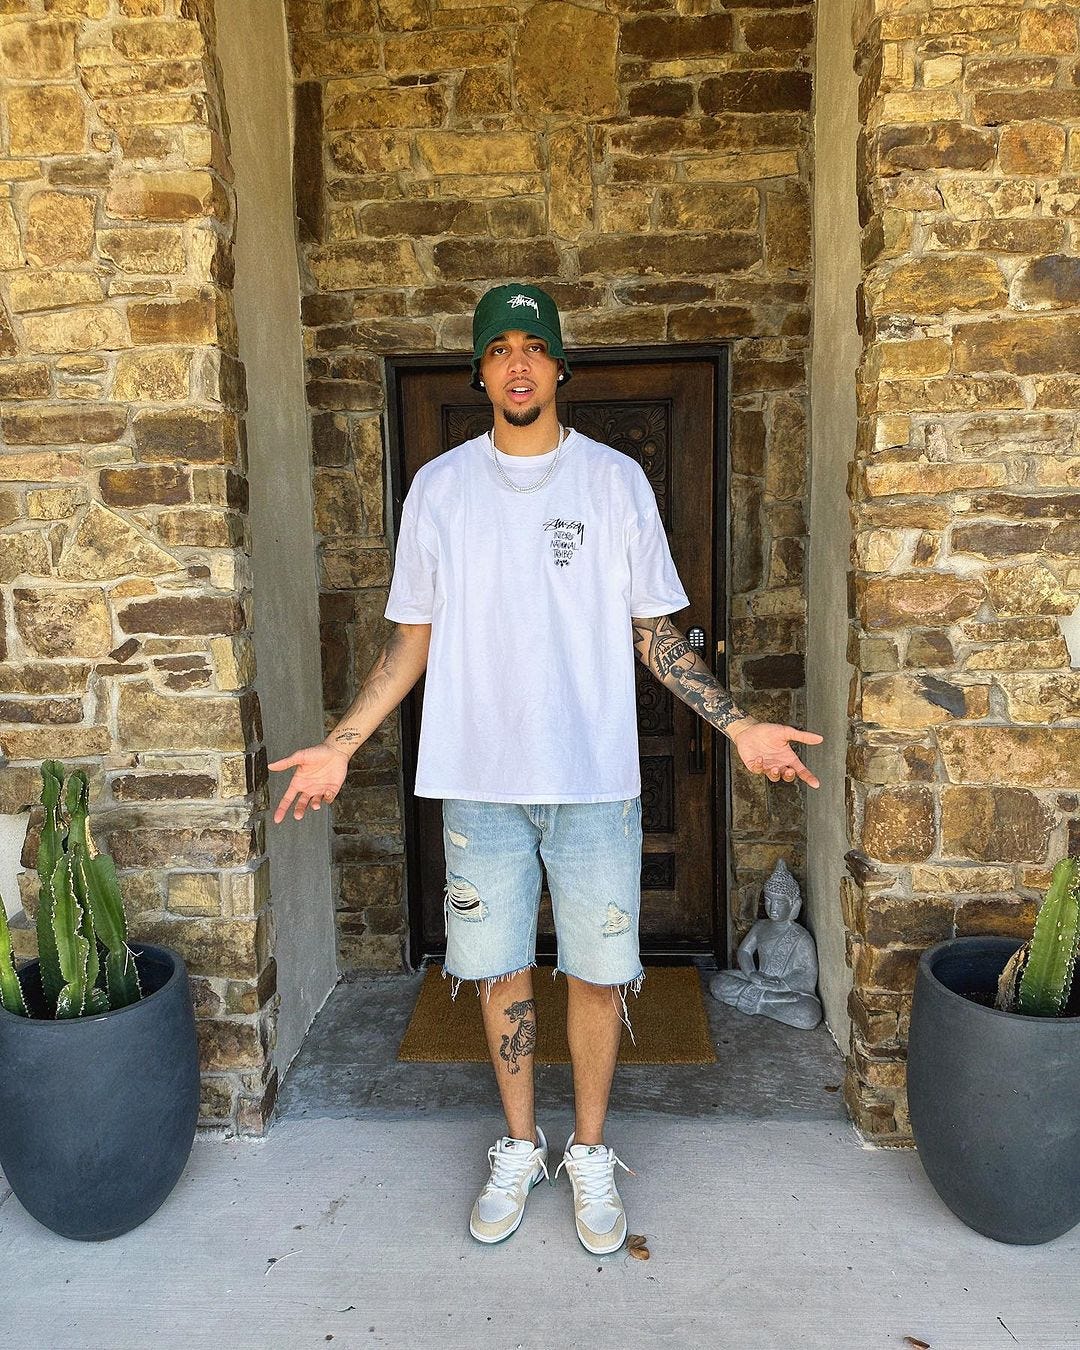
[
  {"x": 764, "y": 748},
  {"x": 320, "y": 772}
]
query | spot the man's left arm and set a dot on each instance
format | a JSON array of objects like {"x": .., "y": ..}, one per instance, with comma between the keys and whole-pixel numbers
[{"x": 763, "y": 747}]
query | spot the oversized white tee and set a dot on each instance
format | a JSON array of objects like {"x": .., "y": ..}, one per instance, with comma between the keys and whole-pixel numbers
[{"x": 529, "y": 692}]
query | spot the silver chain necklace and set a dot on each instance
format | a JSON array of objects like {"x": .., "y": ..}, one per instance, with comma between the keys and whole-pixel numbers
[{"x": 535, "y": 486}]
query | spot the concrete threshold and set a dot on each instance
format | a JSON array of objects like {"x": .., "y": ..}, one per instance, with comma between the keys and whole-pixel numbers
[{"x": 348, "y": 1066}]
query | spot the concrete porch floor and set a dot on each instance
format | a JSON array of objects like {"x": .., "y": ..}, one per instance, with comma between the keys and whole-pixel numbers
[{"x": 769, "y": 1224}]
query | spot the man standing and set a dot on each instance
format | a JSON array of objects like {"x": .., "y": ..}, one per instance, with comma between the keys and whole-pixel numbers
[{"x": 530, "y": 565}]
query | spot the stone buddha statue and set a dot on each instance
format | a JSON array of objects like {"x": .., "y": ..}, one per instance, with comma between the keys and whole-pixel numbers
[{"x": 778, "y": 965}]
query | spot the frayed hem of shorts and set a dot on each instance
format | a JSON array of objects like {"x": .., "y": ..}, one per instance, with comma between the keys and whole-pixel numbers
[
  {"x": 633, "y": 986},
  {"x": 488, "y": 982}
]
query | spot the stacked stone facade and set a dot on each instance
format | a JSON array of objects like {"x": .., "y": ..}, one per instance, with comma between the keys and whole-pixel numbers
[
  {"x": 125, "y": 602},
  {"x": 963, "y": 784},
  {"x": 649, "y": 165}
]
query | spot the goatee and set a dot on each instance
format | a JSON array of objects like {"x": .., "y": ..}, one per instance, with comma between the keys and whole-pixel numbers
[{"x": 522, "y": 419}]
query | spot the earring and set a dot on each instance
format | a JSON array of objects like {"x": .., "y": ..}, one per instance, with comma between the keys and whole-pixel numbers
[
  {"x": 481, "y": 384},
  {"x": 562, "y": 377}
]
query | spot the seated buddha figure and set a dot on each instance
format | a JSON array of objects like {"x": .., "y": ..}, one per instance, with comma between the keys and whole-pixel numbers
[{"x": 778, "y": 965}]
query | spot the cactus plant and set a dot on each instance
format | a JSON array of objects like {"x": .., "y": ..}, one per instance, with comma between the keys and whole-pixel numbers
[
  {"x": 79, "y": 911},
  {"x": 1047, "y": 978},
  {"x": 99, "y": 891},
  {"x": 72, "y": 948},
  {"x": 50, "y": 850},
  {"x": 1038, "y": 979},
  {"x": 11, "y": 994}
]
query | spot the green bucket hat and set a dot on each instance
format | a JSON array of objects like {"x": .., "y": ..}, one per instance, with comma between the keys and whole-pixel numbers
[{"x": 525, "y": 308}]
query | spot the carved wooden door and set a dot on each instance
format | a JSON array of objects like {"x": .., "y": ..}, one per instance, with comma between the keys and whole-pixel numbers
[{"x": 668, "y": 410}]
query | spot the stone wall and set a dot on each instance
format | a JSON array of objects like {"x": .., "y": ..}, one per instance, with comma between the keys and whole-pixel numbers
[
  {"x": 650, "y": 166},
  {"x": 125, "y": 604},
  {"x": 963, "y": 763}
]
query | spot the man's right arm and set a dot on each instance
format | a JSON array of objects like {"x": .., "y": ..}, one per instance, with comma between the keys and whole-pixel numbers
[
  {"x": 401, "y": 661},
  {"x": 318, "y": 777}
]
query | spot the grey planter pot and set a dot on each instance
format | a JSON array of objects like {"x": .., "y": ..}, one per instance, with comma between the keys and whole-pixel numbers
[
  {"x": 994, "y": 1098},
  {"x": 98, "y": 1114}
]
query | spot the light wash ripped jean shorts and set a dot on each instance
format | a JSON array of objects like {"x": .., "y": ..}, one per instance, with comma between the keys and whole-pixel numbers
[{"x": 592, "y": 854}]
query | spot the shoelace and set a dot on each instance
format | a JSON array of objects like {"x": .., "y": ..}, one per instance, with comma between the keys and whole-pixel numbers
[
  {"x": 507, "y": 1169},
  {"x": 595, "y": 1175}
]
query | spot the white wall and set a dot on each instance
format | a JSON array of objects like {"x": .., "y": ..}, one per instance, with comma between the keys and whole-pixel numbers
[
  {"x": 253, "y": 56},
  {"x": 12, "y": 834},
  {"x": 836, "y": 350}
]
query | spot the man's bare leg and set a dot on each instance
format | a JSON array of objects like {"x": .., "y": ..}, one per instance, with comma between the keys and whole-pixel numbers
[
  {"x": 593, "y": 1029},
  {"x": 510, "y": 1027}
]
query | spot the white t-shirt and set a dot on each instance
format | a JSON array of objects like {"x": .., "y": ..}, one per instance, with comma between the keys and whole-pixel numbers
[{"x": 529, "y": 693}]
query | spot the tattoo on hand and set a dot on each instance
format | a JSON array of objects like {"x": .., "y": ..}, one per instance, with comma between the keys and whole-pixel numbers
[{"x": 523, "y": 1041}]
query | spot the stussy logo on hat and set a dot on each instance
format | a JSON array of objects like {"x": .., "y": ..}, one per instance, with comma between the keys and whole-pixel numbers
[{"x": 516, "y": 302}]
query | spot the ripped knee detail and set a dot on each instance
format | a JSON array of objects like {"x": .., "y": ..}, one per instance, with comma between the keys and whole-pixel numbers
[
  {"x": 463, "y": 899},
  {"x": 616, "y": 921}
]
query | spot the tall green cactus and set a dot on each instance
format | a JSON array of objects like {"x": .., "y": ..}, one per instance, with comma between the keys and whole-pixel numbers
[
  {"x": 1047, "y": 977},
  {"x": 11, "y": 994},
  {"x": 103, "y": 888},
  {"x": 72, "y": 844},
  {"x": 99, "y": 890},
  {"x": 72, "y": 947},
  {"x": 50, "y": 851},
  {"x": 79, "y": 908}
]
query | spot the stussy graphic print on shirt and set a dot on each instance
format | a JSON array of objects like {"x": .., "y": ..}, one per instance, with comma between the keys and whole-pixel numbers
[{"x": 566, "y": 535}]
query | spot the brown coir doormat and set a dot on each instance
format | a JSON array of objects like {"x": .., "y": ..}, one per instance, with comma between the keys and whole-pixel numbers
[{"x": 668, "y": 1017}]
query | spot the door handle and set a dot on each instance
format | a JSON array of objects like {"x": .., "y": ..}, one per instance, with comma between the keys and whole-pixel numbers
[{"x": 696, "y": 641}]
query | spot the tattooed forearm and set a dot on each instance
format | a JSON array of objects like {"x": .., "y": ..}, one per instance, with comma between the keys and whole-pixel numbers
[
  {"x": 706, "y": 692},
  {"x": 399, "y": 664},
  {"x": 379, "y": 680},
  {"x": 665, "y": 651},
  {"x": 523, "y": 1041}
]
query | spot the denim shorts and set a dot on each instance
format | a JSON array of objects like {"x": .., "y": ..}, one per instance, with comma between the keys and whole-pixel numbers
[{"x": 592, "y": 854}]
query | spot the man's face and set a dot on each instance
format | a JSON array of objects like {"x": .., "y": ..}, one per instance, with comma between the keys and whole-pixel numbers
[{"x": 520, "y": 377}]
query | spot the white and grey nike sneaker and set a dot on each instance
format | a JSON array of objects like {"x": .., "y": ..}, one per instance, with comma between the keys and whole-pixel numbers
[
  {"x": 598, "y": 1209},
  {"x": 516, "y": 1166}
]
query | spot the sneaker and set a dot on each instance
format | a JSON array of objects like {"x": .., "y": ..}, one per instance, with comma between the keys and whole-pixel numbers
[
  {"x": 598, "y": 1210},
  {"x": 516, "y": 1166}
]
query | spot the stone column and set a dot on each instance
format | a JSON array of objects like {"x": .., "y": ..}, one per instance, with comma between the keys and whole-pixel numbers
[
  {"x": 124, "y": 581},
  {"x": 963, "y": 778},
  {"x": 836, "y": 350}
]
